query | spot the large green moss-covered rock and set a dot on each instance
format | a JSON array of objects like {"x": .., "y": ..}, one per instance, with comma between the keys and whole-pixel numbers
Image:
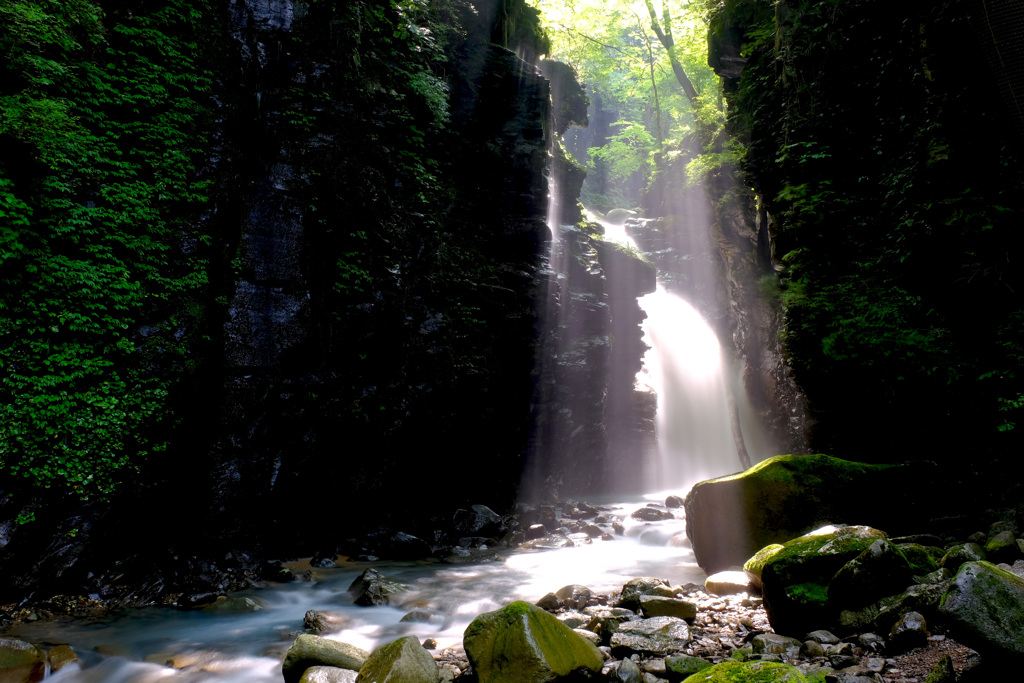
[
  {"x": 748, "y": 672},
  {"x": 796, "y": 578},
  {"x": 730, "y": 518},
  {"x": 522, "y": 642},
  {"x": 401, "y": 661},
  {"x": 986, "y": 606}
]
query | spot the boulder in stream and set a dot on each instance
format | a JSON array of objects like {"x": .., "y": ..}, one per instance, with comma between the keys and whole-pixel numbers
[
  {"x": 373, "y": 588},
  {"x": 328, "y": 674},
  {"x": 522, "y": 642},
  {"x": 308, "y": 651},
  {"x": 730, "y": 518},
  {"x": 400, "y": 661},
  {"x": 21, "y": 662}
]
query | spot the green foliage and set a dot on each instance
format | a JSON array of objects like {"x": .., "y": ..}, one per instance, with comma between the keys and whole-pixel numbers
[
  {"x": 893, "y": 222},
  {"x": 627, "y": 151},
  {"x": 101, "y": 125},
  {"x": 615, "y": 52}
]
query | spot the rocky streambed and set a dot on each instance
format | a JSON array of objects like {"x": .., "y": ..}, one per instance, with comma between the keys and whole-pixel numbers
[{"x": 616, "y": 584}]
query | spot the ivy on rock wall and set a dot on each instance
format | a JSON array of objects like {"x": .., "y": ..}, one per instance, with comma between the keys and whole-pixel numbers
[
  {"x": 892, "y": 177},
  {"x": 99, "y": 108},
  {"x": 265, "y": 254}
]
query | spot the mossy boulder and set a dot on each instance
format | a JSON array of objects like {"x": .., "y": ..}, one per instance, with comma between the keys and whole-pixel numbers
[
  {"x": 796, "y": 578},
  {"x": 748, "y": 672},
  {"x": 21, "y": 661},
  {"x": 522, "y": 642},
  {"x": 400, "y": 661},
  {"x": 923, "y": 559},
  {"x": 309, "y": 651},
  {"x": 985, "y": 606},
  {"x": 678, "y": 667},
  {"x": 961, "y": 553},
  {"x": 328, "y": 674},
  {"x": 879, "y": 570},
  {"x": 730, "y": 518}
]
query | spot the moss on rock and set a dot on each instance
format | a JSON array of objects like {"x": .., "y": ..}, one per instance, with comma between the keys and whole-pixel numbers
[
  {"x": 522, "y": 642},
  {"x": 730, "y": 518},
  {"x": 748, "y": 672},
  {"x": 400, "y": 661}
]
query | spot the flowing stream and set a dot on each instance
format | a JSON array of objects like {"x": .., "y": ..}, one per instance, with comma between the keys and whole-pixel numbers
[
  {"x": 220, "y": 646},
  {"x": 684, "y": 366}
]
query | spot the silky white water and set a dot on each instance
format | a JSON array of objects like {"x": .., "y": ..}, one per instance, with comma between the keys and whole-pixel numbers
[
  {"x": 684, "y": 367},
  {"x": 224, "y": 647}
]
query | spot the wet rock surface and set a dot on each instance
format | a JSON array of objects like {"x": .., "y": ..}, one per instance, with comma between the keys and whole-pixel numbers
[{"x": 900, "y": 639}]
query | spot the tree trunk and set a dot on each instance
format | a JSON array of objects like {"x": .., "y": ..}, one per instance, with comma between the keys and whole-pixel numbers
[{"x": 664, "y": 34}]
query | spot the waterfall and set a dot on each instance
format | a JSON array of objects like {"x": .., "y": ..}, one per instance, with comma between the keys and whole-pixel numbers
[{"x": 684, "y": 366}]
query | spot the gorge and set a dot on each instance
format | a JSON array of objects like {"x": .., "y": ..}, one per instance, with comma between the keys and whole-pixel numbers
[{"x": 305, "y": 279}]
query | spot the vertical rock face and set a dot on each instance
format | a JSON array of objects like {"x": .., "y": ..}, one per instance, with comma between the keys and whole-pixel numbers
[
  {"x": 262, "y": 220},
  {"x": 878, "y": 209},
  {"x": 380, "y": 228},
  {"x": 590, "y": 421}
]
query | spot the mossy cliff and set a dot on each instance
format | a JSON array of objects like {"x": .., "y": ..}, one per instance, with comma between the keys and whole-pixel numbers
[
  {"x": 887, "y": 183},
  {"x": 280, "y": 260}
]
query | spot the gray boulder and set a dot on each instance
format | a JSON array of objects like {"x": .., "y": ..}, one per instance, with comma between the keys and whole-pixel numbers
[
  {"x": 657, "y": 606},
  {"x": 651, "y": 514},
  {"x": 373, "y": 588},
  {"x": 328, "y": 674},
  {"x": 619, "y": 216},
  {"x": 479, "y": 520},
  {"x": 319, "y": 622},
  {"x": 880, "y": 570},
  {"x": 627, "y": 672},
  {"x": 574, "y": 596},
  {"x": 309, "y": 651},
  {"x": 658, "y": 636},
  {"x": 773, "y": 644},
  {"x": 401, "y": 661},
  {"x": 909, "y": 631},
  {"x": 634, "y": 588},
  {"x": 985, "y": 606}
]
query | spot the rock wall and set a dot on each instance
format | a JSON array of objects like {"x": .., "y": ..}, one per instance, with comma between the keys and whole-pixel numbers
[
  {"x": 876, "y": 205},
  {"x": 373, "y": 235},
  {"x": 591, "y": 423}
]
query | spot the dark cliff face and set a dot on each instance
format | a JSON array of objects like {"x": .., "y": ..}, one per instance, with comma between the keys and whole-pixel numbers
[
  {"x": 889, "y": 185},
  {"x": 364, "y": 338},
  {"x": 384, "y": 222}
]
